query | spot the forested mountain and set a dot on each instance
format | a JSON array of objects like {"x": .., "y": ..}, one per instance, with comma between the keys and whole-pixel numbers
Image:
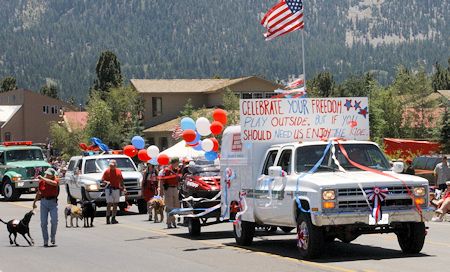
[{"x": 60, "y": 40}]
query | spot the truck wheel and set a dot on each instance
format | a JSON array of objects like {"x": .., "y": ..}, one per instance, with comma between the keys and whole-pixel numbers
[
  {"x": 194, "y": 226},
  {"x": 243, "y": 232},
  {"x": 142, "y": 206},
  {"x": 70, "y": 199},
  {"x": 9, "y": 191},
  {"x": 310, "y": 239},
  {"x": 286, "y": 229},
  {"x": 412, "y": 237}
]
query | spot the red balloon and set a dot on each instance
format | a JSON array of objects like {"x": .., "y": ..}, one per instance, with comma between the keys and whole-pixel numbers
[
  {"x": 83, "y": 146},
  {"x": 189, "y": 135},
  {"x": 220, "y": 115},
  {"x": 143, "y": 155},
  {"x": 163, "y": 159},
  {"x": 130, "y": 151},
  {"x": 216, "y": 127},
  {"x": 216, "y": 144}
]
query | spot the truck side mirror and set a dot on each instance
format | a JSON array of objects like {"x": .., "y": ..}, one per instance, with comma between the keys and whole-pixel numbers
[
  {"x": 398, "y": 167},
  {"x": 275, "y": 171}
]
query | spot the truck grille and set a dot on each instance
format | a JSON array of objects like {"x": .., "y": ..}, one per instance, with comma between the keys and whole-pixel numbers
[
  {"x": 392, "y": 190},
  {"x": 131, "y": 184},
  {"x": 392, "y": 203}
]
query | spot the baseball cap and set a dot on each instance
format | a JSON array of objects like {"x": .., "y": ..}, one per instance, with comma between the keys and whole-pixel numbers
[{"x": 50, "y": 171}]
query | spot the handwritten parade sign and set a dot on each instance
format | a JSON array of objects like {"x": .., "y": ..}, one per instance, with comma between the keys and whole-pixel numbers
[{"x": 282, "y": 120}]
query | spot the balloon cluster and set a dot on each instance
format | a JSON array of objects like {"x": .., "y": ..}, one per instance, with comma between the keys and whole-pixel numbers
[
  {"x": 194, "y": 130},
  {"x": 151, "y": 154},
  {"x": 96, "y": 145}
]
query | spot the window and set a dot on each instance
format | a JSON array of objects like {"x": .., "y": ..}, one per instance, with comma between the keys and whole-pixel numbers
[
  {"x": 269, "y": 95},
  {"x": 45, "y": 109},
  {"x": 285, "y": 161},
  {"x": 71, "y": 166},
  {"x": 257, "y": 95},
  {"x": 2, "y": 157},
  {"x": 164, "y": 143},
  {"x": 157, "y": 106},
  {"x": 151, "y": 140},
  {"x": 247, "y": 96},
  {"x": 7, "y": 136},
  {"x": 270, "y": 160}
]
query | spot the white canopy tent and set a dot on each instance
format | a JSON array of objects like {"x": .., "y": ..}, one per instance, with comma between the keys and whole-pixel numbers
[{"x": 181, "y": 151}]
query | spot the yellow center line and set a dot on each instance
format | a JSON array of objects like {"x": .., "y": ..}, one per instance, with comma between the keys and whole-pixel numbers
[{"x": 248, "y": 250}]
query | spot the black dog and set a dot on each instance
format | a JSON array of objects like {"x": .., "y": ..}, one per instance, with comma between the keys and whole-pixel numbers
[
  {"x": 15, "y": 226},
  {"x": 89, "y": 208}
]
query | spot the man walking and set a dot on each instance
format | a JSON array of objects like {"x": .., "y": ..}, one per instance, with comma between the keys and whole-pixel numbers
[
  {"x": 442, "y": 173},
  {"x": 48, "y": 195},
  {"x": 169, "y": 179},
  {"x": 113, "y": 179}
]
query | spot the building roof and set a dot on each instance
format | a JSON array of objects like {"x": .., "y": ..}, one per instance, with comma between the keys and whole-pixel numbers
[
  {"x": 445, "y": 93},
  {"x": 6, "y": 112},
  {"x": 187, "y": 85},
  {"x": 75, "y": 119},
  {"x": 164, "y": 127}
]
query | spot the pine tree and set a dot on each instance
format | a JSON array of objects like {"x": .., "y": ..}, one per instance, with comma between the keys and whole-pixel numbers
[
  {"x": 8, "y": 84},
  {"x": 445, "y": 133},
  {"x": 188, "y": 109},
  {"x": 108, "y": 72},
  {"x": 50, "y": 90}
]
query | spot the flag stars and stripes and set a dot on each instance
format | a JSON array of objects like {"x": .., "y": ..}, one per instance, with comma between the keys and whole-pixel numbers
[{"x": 286, "y": 16}]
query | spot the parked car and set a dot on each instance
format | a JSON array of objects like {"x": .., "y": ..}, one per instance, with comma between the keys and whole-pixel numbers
[
  {"x": 84, "y": 174},
  {"x": 424, "y": 166},
  {"x": 20, "y": 165}
]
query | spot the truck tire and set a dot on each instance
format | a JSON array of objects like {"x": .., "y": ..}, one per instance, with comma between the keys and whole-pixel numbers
[
  {"x": 412, "y": 237},
  {"x": 310, "y": 239},
  {"x": 70, "y": 199},
  {"x": 244, "y": 232},
  {"x": 9, "y": 191},
  {"x": 142, "y": 206},
  {"x": 194, "y": 226},
  {"x": 286, "y": 229}
]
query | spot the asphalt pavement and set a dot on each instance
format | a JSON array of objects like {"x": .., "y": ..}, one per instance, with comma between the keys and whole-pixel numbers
[{"x": 136, "y": 244}]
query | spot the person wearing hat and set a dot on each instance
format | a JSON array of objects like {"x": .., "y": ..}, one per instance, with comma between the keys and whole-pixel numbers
[
  {"x": 113, "y": 180},
  {"x": 443, "y": 204},
  {"x": 169, "y": 179},
  {"x": 48, "y": 192},
  {"x": 409, "y": 168}
]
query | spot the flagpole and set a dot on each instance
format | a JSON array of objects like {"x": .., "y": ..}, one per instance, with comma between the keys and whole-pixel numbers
[{"x": 303, "y": 56}]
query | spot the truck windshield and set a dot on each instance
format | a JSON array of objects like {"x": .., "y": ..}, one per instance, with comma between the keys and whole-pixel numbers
[
  {"x": 99, "y": 165},
  {"x": 24, "y": 155},
  {"x": 365, "y": 154}
]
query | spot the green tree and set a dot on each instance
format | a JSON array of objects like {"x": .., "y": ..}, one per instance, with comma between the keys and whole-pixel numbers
[
  {"x": 441, "y": 78},
  {"x": 50, "y": 90},
  {"x": 322, "y": 84},
  {"x": 108, "y": 72},
  {"x": 8, "y": 84},
  {"x": 100, "y": 122},
  {"x": 356, "y": 86},
  {"x": 445, "y": 133},
  {"x": 66, "y": 141},
  {"x": 231, "y": 105},
  {"x": 188, "y": 109}
]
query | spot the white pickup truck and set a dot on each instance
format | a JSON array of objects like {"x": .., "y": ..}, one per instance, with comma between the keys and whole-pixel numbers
[
  {"x": 266, "y": 180},
  {"x": 84, "y": 174}
]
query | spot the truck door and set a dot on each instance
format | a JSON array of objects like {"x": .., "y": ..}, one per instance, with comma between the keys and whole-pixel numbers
[
  {"x": 263, "y": 188},
  {"x": 282, "y": 203}
]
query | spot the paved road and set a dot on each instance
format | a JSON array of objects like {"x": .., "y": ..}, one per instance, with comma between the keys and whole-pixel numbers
[{"x": 138, "y": 245}]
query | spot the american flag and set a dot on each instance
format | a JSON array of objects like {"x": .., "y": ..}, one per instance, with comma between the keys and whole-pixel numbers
[
  {"x": 284, "y": 17},
  {"x": 177, "y": 132},
  {"x": 296, "y": 82}
]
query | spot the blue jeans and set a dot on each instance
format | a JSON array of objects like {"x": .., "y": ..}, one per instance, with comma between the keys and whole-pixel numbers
[{"x": 49, "y": 206}]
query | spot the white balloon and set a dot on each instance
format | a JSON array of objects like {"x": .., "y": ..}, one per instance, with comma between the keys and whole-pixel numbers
[
  {"x": 153, "y": 151},
  {"x": 203, "y": 126},
  {"x": 207, "y": 145}
]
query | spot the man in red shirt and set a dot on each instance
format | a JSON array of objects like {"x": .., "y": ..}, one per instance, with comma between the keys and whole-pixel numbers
[
  {"x": 48, "y": 195},
  {"x": 169, "y": 179},
  {"x": 113, "y": 179}
]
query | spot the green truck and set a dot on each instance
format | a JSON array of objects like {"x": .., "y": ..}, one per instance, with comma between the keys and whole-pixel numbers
[{"x": 20, "y": 165}]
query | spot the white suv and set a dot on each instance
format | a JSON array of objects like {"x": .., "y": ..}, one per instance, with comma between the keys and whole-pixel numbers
[{"x": 84, "y": 175}]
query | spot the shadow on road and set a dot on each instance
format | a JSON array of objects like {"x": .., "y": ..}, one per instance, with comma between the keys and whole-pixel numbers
[
  {"x": 145, "y": 238},
  {"x": 2, "y": 199},
  {"x": 333, "y": 252},
  {"x": 217, "y": 235},
  {"x": 119, "y": 213}
]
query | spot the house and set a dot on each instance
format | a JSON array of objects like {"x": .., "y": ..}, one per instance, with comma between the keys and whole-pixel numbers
[
  {"x": 165, "y": 98},
  {"x": 26, "y": 115}
]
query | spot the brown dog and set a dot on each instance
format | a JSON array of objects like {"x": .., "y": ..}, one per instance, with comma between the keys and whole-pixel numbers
[
  {"x": 156, "y": 206},
  {"x": 73, "y": 211}
]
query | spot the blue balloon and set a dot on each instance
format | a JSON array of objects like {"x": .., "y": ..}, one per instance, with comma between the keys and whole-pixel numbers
[
  {"x": 211, "y": 155},
  {"x": 197, "y": 139},
  {"x": 153, "y": 161},
  {"x": 138, "y": 142},
  {"x": 96, "y": 141},
  {"x": 187, "y": 123},
  {"x": 198, "y": 147},
  {"x": 103, "y": 147}
]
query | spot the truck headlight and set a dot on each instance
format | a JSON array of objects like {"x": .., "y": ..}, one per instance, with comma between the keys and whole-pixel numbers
[
  {"x": 16, "y": 178},
  {"x": 420, "y": 191},
  {"x": 92, "y": 187},
  {"x": 328, "y": 195}
]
